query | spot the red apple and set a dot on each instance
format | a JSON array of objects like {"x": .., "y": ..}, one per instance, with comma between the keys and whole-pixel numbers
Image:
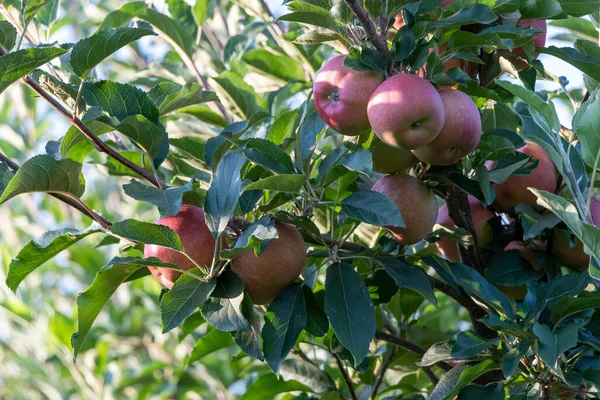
[
  {"x": 389, "y": 160},
  {"x": 399, "y": 21},
  {"x": 417, "y": 205},
  {"x": 196, "y": 238},
  {"x": 517, "y": 55},
  {"x": 341, "y": 96},
  {"x": 514, "y": 190},
  {"x": 406, "y": 111},
  {"x": 460, "y": 134},
  {"x": 479, "y": 215}
]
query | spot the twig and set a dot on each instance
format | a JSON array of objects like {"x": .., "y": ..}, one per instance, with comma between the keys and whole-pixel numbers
[
  {"x": 379, "y": 42},
  {"x": 345, "y": 376},
  {"x": 381, "y": 373}
]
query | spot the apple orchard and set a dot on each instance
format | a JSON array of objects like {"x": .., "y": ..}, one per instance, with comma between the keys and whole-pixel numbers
[{"x": 367, "y": 199}]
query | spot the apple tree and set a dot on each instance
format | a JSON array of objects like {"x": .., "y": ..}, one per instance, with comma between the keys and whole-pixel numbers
[{"x": 340, "y": 199}]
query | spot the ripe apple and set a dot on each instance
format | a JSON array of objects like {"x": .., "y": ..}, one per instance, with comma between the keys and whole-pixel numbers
[
  {"x": 196, "y": 238},
  {"x": 514, "y": 190},
  {"x": 406, "y": 111},
  {"x": 277, "y": 267},
  {"x": 399, "y": 21},
  {"x": 539, "y": 41},
  {"x": 417, "y": 204},
  {"x": 479, "y": 215},
  {"x": 389, "y": 160},
  {"x": 341, "y": 96},
  {"x": 460, "y": 134}
]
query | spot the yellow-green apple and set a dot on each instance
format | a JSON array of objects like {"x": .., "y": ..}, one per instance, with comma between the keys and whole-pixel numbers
[
  {"x": 460, "y": 134},
  {"x": 514, "y": 190},
  {"x": 276, "y": 268},
  {"x": 417, "y": 205},
  {"x": 406, "y": 111},
  {"x": 197, "y": 240},
  {"x": 480, "y": 217},
  {"x": 341, "y": 95}
]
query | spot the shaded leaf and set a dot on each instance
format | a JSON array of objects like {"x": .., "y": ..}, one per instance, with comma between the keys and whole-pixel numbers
[{"x": 183, "y": 299}]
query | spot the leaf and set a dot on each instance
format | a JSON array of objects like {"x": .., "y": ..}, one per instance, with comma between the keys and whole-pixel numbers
[
  {"x": 492, "y": 391},
  {"x": 568, "y": 306},
  {"x": 579, "y": 8},
  {"x": 89, "y": 52},
  {"x": 249, "y": 341},
  {"x": 223, "y": 309},
  {"x": 44, "y": 173},
  {"x": 37, "y": 252},
  {"x": 311, "y": 125},
  {"x": 511, "y": 360},
  {"x": 204, "y": 113},
  {"x": 553, "y": 344},
  {"x": 279, "y": 183},
  {"x": 373, "y": 208},
  {"x": 147, "y": 233},
  {"x": 49, "y": 14},
  {"x": 477, "y": 14},
  {"x": 224, "y": 193},
  {"x": 169, "y": 96},
  {"x": 107, "y": 281},
  {"x": 8, "y": 35},
  {"x": 120, "y": 100},
  {"x": 167, "y": 200},
  {"x": 283, "y": 127},
  {"x": 306, "y": 373},
  {"x": 268, "y": 155},
  {"x": 64, "y": 91},
  {"x": 213, "y": 341},
  {"x": 585, "y": 63},
  {"x": 268, "y": 386},
  {"x": 234, "y": 90},
  {"x": 437, "y": 353},
  {"x": 15, "y": 65},
  {"x": 256, "y": 237},
  {"x": 350, "y": 309},
  {"x": 278, "y": 66},
  {"x": 468, "y": 345},
  {"x": 75, "y": 145},
  {"x": 183, "y": 299},
  {"x": 6, "y": 174},
  {"x": 410, "y": 277},
  {"x": 284, "y": 320},
  {"x": 31, "y": 7},
  {"x": 587, "y": 129},
  {"x": 458, "y": 378},
  {"x": 509, "y": 269},
  {"x": 317, "y": 323}
]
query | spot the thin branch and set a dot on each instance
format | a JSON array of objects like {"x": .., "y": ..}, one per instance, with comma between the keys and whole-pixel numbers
[
  {"x": 345, "y": 376},
  {"x": 75, "y": 203},
  {"x": 408, "y": 345},
  {"x": 381, "y": 373},
  {"x": 379, "y": 42}
]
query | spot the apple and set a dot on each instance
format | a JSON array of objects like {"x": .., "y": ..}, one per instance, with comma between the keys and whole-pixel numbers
[
  {"x": 399, "y": 21},
  {"x": 417, "y": 205},
  {"x": 460, "y": 133},
  {"x": 276, "y": 268},
  {"x": 446, "y": 3},
  {"x": 406, "y": 111},
  {"x": 341, "y": 95},
  {"x": 517, "y": 55},
  {"x": 514, "y": 190},
  {"x": 479, "y": 215},
  {"x": 389, "y": 160},
  {"x": 196, "y": 238}
]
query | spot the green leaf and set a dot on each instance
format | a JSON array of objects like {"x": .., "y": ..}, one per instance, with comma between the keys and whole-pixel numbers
[
  {"x": 585, "y": 63},
  {"x": 44, "y": 173},
  {"x": 492, "y": 391},
  {"x": 31, "y": 7},
  {"x": 580, "y": 26},
  {"x": 511, "y": 360},
  {"x": 554, "y": 343},
  {"x": 350, "y": 309},
  {"x": 373, "y": 208},
  {"x": 437, "y": 353},
  {"x": 223, "y": 309},
  {"x": 308, "y": 374},
  {"x": 76, "y": 146},
  {"x": 90, "y": 52},
  {"x": 468, "y": 345},
  {"x": 213, "y": 341},
  {"x": 224, "y": 193},
  {"x": 167, "y": 200},
  {"x": 268, "y": 386},
  {"x": 278, "y": 66},
  {"x": 310, "y": 18},
  {"x": 458, "y": 378},
  {"x": 284, "y": 320},
  {"x": 49, "y": 14},
  {"x": 37, "y": 252},
  {"x": 410, "y": 277},
  {"x": 283, "y": 127},
  {"x": 8, "y": 35},
  {"x": 311, "y": 125},
  {"x": 241, "y": 96},
  {"x": 568, "y": 306},
  {"x": 120, "y": 100},
  {"x": 279, "y": 183},
  {"x": 15, "y": 65},
  {"x": 256, "y": 237},
  {"x": 199, "y": 11},
  {"x": 579, "y": 8},
  {"x": 183, "y": 299},
  {"x": 6, "y": 174},
  {"x": 317, "y": 323},
  {"x": 477, "y": 14},
  {"x": 169, "y": 96},
  {"x": 268, "y": 155},
  {"x": 509, "y": 269},
  {"x": 107, "y": 281},
  {"x": 249, "y": 341},
  {"x": 147, "y": 233},
  {"x": 587, "y": 129},
  {"x": 205, "y": 114}
]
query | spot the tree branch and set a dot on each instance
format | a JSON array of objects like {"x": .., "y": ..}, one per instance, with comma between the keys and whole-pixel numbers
[
  {"x": 381, "y": 373},
  {"x": 345, "y": 376},
  {"x": 78, "y": 205},
  {"x": 96, "y": 141},
  {"x": 379, "y": 42}
]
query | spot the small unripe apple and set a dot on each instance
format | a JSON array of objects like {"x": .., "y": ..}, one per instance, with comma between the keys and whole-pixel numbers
[
  {"x": 514, "y": 190},
  {"x": 276, "y": 268},
  {"x": 417, "y": 205},
  {"x": 341, "y": 95},
  {"x": 480, "y": 217},
  {"x": 406, "y": 111},
  {"x": 196, "y": 238},
  {"x": 460, "y": 134},
  {"x": 389, "y": 160}
]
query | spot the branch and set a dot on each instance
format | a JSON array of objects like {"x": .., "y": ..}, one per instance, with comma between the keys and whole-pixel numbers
[
  {"x": 77, "y": 204},
  {"x": 96, "y": 141},
  {"x": 345, "y": 376},
  {"x": 379, "y": 42},
  {"x": 381, "y": 373}
]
